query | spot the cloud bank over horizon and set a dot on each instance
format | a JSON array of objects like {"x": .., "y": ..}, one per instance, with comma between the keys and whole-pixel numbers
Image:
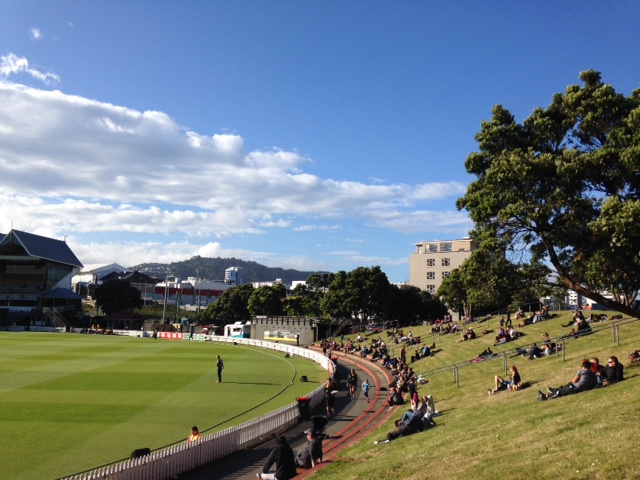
[{"x": 72, "y": 166}]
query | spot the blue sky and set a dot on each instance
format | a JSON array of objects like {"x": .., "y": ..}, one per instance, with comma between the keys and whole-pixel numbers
[{"x": 298, "y": 134}]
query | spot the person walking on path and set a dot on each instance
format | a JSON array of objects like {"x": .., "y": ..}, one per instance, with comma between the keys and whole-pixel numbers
[
  {"x": 352, "y": 380},
  {"x": 365, "y": 389},
  {"x": 220, "y": 367},
  {"x": 329, "y": 396},
  {"x": 283, "y": 458}
]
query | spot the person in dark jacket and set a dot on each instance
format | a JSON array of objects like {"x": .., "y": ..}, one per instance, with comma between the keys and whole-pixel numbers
[
  {"x": 410, "y": 423},
  {"x": 614, "y": 371},
  {"x": 283, "y": 458}
]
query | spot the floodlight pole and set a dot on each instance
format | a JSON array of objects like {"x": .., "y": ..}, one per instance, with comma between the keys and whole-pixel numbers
[{"x": 166, "y": 296}]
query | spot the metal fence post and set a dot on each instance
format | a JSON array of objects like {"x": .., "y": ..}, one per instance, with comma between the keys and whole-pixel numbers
[
  {"x": 618, "y": 334},
  {"x": 504, "y": 362},
  {"x": 456, "y": 377},
  {"x": 564, "y": 349}
]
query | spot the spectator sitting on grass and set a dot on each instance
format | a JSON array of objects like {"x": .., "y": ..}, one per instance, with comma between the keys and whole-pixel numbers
[
  {"x": 614, "y": 371},
  {"x": 501, "y": 337},
  {"x": 394, "y": 398},
  {"x": 511, "y": 384},
  {"x": 547, "y": 346},
  {"x": 534, "y": 352},
  {"x": 468, "y": 335},
  {"x": 583, "y": 327},
  {"x": 584, "y": 380},
  {"x": 597, "y": 369},
  {"x": 428, "y": 406}
]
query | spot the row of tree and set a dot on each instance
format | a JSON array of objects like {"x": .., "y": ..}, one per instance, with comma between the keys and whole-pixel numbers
[{"x": 363, "y": 295}]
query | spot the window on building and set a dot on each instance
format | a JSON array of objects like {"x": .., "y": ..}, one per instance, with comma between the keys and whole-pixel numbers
[
  {"x": 431, "y": 289},
  {"x": 446, "y": 262},
  {"x": 446, "y": 247},
  {"x": 445, "y": 274},
  {"x": 432, "y": 247},
  {"x": 431, "y": 275},
  {"x": 431, "y": 262},
  {"x": 420, "y": 250}
]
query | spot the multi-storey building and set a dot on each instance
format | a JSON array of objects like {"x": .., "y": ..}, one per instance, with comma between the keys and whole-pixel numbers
[
  {"x": 35, "y": 276},
  {"x": 433, "y": 261}
]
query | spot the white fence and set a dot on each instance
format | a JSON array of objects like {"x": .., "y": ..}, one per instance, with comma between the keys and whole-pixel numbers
[{"x": 171, "y": 461}]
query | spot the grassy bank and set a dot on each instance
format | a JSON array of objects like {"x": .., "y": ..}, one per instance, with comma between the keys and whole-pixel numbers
[{"x": 592, "y": 435}]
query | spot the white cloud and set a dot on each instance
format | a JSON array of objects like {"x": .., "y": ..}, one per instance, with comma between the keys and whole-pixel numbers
[
  {"x": 79, "y": 167},
  {"x": 11, "y": 65},
  {"x": 34, "y": 33},
  {"x": 312, "y": 228},
  {"x": 68, "y": 147}
]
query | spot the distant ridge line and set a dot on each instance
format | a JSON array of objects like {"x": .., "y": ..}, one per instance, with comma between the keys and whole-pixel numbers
[{"x": 213, "y": 269}]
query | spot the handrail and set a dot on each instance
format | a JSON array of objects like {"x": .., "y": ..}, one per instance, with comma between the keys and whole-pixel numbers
[
  {"x": 57, "y": 318},
  {"x": 518, "y": 350}
]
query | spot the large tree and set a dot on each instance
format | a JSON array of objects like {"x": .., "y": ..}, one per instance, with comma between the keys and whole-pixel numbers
[
  {"x": 267, "y": 300},
  {"x": 231, "y": 307},
  {"x": 364, "y": 294},
  {"x": 561, "y": 190},
  {"x": 410, "y": 305},
  {"x": 303, "y": 301},
  {"x": 116, "y": 296}
]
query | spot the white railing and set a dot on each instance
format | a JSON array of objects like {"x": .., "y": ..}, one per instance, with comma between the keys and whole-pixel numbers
[{"x": 171, "y": 461}]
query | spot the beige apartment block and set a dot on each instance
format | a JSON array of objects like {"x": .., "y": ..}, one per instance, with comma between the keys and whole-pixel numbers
[{"x": 433, "y": 261}]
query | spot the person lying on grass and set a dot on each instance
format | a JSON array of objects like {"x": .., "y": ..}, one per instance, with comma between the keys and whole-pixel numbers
[
  {"x": 584, "y": 380},
  {"x": 410, "y": 423}
]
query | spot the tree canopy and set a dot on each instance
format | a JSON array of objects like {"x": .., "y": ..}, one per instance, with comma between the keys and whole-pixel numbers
[
  {"x": 559, "y": 192},
  {"x": 362, "y": 295},
  {"x": 116, "y": 296},
  {"x": 231, "y": 307},
  {"x": 267, "y": 300}
]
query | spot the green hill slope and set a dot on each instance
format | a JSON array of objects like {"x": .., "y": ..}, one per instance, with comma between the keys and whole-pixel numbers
[
  {"x": 511, "y": 434},
  {"x": 213, "y": 269}
]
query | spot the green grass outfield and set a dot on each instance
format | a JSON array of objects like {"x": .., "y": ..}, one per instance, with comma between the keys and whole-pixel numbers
[
  {"x": 511, "y": 435},
  {"x": 72, "y": 402}
]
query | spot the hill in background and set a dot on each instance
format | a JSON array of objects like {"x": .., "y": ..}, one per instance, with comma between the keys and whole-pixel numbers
[{"x": 213, "y": 269}]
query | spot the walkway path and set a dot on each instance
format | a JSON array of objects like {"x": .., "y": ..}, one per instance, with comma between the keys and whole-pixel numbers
[{"x": 354, "y": 419}]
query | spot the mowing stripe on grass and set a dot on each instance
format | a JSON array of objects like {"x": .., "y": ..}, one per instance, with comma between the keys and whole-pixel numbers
[{"x": 74, "y": 402}]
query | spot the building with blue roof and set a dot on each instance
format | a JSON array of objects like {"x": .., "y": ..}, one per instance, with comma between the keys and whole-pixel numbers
[{"x": 35, "y": 273}]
